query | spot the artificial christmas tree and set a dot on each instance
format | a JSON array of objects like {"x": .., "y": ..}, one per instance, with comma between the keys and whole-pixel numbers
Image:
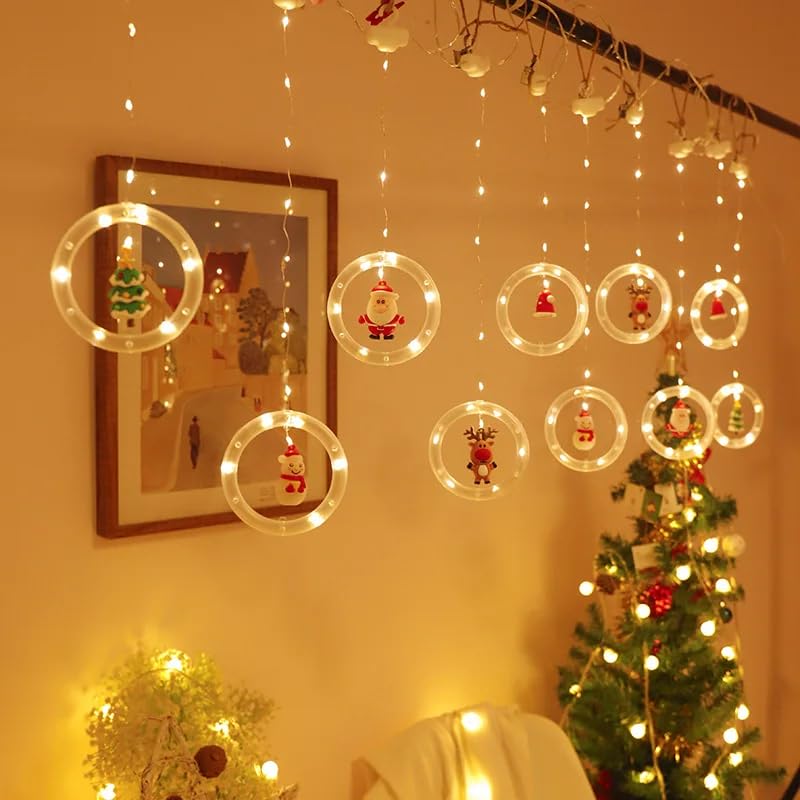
[{"x": 653, "y": 697}]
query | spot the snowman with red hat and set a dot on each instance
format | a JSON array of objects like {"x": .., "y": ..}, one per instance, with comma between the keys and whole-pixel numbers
[
  {"x": 382, "y": 316},
  {"x": 584, "y": 438},
  {"x": 293, "y": 470},
  {"x": 680, "y": 420}
]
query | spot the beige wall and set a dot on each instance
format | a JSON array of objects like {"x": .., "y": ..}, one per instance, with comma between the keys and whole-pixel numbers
[{"x": 409, "y": 601}]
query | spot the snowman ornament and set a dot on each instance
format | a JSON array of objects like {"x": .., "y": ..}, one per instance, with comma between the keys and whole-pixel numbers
[
  {"x": 583, "y": 438},
  {"x": 680, "y": 420},
  {"x": 382, "y": 316},
  {"x": 293, "y": 471}
]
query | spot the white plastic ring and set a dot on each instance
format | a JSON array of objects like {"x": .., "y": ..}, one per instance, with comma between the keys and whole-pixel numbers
[
  {"x": 717, "y": 287},
  {"x": 545, "y": 271},
  {"x": 487, "y": 413},
  {"x": 738, "y": 390},
  {"x": 129, "y": 214},
  {"x": 283, "y": 526},
  {"x": 386, "y": 262},
  {"x": 691, "y": 448},
  {"x": 634, "y": 271},
  {"x": 620, "y": 424}
]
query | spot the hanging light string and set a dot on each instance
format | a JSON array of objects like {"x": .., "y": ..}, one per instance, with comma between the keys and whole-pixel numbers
[
  {"x": 288, "y": 210},
  {"x": 383, "y": 177},
  {"x": 481, "y": 194},
  {"x": 737, "y": 236},
  {"x": 637, "y": 177},
  {"x": 680, "y": 170},
  {"x": 130, "y": 174},
  {"x": 545, "y": 195},
  {"x": 587, "y": 373}
]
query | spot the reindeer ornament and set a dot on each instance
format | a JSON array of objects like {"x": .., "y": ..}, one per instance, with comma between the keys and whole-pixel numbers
[
  {"x": 480, "y": 453},
  {"x": 640, "y": 304}
]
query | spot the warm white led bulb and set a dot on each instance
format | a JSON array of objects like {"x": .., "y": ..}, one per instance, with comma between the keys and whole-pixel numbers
[
  {"x": 723, "y": 585},
  {"x": 471, "y": 721},
  {"x": 610, "y": 656},
  {"x": 711, "y": 545},
  {"x": 683, "y": 572},
  {"x": 638, "y": 730},
  {"x": 735, "y": 759},
  {"x": 646, "y": 776},
  {"x": 730, "y": 735},
  {"x": 586, "y": 588},
  {"x": 728, "y": 653},
  {"x": 575, "y": 690},
  {"x": 269, "y": 769},
  {"x": 643, "y": 611},
  {"x": 711, "y": 781},
  {"x": 708, "y": 627},
  {"x": 651, "y": 663},
  {"x": 742, "y": 711}
]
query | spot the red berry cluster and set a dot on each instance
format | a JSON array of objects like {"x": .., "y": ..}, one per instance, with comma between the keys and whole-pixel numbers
[{"x": 658, "y": 597}]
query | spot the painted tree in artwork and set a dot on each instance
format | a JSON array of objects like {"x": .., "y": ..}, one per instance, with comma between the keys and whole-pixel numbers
[
  {"x": 653, "y": 696},
  {"x": 127, "y": 294},
  {"x": 256, "y": 314}
]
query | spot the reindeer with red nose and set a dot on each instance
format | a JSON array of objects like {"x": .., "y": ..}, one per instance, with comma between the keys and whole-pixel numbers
[
  {"x": 480, "y": 453},
  {"x": 640, "y": 304}
]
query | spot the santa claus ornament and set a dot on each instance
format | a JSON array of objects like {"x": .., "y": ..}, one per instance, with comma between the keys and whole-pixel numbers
[
  {"x": 680, "y": 434},
  {"x": 383, "y": 337},
  {"x": 740, "y": 310},
  {"x": 680, "y": 420},
  {"x": 647, "y": 316},
  {"x": 529, "y": 340},
  {"x": 583, "y": 437},
  {"x": 736, "y": 437},
  {"x": 381, "y": 316},
  {"x": 483, "y": 479},
  {"x": 292, "y": 488}
]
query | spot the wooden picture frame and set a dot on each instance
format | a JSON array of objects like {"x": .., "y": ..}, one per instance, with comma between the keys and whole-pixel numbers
[{"x": 141, "y": 462}]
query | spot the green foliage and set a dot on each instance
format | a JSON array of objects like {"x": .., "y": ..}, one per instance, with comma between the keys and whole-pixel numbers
[
  {"x": 256, "y": 312},
  {"x": 693, "y": 694},
  {"x": 151, "y": 689}
]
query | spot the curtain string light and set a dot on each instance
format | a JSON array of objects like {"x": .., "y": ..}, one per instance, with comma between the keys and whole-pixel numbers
[
  {"x": 481, "y": 194},
  {"x": 587, "y": 373},
  {"x": 288, "y": 210},
  {"x": 383, "y": 177},
  {"x": 680, "y": 169},
  {"x": 637, "y": 177},
  {"x": 545, "y": 195},
  {"x": 130, "y": 174}
]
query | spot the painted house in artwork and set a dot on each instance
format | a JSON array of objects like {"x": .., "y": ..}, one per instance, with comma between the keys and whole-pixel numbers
[{"x": 206, "y": 354}]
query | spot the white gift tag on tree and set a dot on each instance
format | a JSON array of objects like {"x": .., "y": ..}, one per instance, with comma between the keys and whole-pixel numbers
[
  {"x": 670, "y": 504},
  {"x": 645, "y": 556}
]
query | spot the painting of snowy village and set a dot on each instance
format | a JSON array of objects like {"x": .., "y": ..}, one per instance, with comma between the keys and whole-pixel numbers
[{"x": 198, "y": 390}]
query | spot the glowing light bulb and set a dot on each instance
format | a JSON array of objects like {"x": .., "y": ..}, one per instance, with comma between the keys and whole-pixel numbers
[
  {"x": 108, "y": 792},
  {"x": 711, "y": 545},
  {"x": 720, "y": 199},
  {"x": 728, "y": 653},
  {"x": 223, "y": 727},
  {"x": 285, "y": 20},
  {"x": 643, "y": 611},
  {"x": 742, "y": 711},
  {"x": 269, "y": 769},
  {"x": 129, "y": 176},
  {"x": 638, "y": 730},
  {"x": 575, "y": 690},
  {"x": 545, "y": 200},
  {"x": 679, "y": 167},
  {"x": 128, "y": 104},
  {"x": 730, "y": 735},
  {"x": 586, "y": 588},
  {"x": 479, "y": 789},
  {"x": 646, "y": 776},
  {"x": 637, "y": 174},
  {"x": 610, "y": 656},
  {"x": 735, "y": 759},
  {"x": 471, "y": 721},
  {"x": 689, "y": 514},
  {"x": 651, "y": 663},
  {"x": 723, "y": 586},
  {"x": 708, "y": 627},
  {"x": 711, "y": 781},
  {"x": 683, "y": 572}
]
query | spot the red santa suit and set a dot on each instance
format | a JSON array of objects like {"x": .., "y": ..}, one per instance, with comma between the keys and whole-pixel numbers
[{"x": 382, "y": 316}]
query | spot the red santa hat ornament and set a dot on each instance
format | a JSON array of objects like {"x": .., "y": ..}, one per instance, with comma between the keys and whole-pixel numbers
[
  {"x": 718, "y": 308},
  {"x": 291, "y": 450},
  {"x": 545, "y": 304},
  {"x": 383, "y": 286}
]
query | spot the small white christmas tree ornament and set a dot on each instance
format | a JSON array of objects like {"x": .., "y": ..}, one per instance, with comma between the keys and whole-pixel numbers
[
  {"x": 634, "y": 114},
  {"x": 681, "y": 148},
  {"x": 588, "y": 107}
]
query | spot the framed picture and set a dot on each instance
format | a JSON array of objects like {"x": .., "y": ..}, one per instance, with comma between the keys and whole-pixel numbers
[{"x": 165, "y": 417}]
